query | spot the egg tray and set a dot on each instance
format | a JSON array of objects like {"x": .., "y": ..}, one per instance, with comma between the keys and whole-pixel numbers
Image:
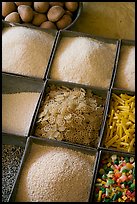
[
  {"x": 75, "y": 18},
  {"x": 12, "y": 83}
]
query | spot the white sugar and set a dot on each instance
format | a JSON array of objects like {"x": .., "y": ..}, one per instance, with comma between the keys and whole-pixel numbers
[
  {"x": 55, "y": 174},
  {"x": 26, "y": 51},
  {"x": 84, "y": 60},
  {"x": 17, "y": 112}
]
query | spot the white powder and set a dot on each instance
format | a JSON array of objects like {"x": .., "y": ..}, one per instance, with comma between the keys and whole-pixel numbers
[
  {"x": 17, "y": 112},
  {"x": 83, "y": 60},
  {"x": 125, "y": 77},
  {"x": 25, "y": 51},
  {"x": 55, "y": 174}
]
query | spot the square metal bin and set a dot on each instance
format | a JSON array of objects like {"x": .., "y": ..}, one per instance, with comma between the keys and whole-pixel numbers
[
  {"x": 14, "y": 141},
  {"x": 12, "y": 84},
  {"x": 122, "y": 43},
  {"x": 104, "y": 93},
  {"x": 47, "y": 142},
  {"x": 52, "y": 32},
  {"x": 104, "y": 129},
  {"x": 66, "y": 33},
  {"x": 103, "y": 153}
]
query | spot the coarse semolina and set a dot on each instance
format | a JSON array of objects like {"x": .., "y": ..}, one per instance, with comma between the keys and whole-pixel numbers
[
  {"x": 84, "y": 60},
  {"x": 25, "y": 51},
  {"x": 55, "y": 174},
  {"x": 17, "y": 112},
  {"x": 70, "y": 114},
  {"x": 125, "y": 76}
]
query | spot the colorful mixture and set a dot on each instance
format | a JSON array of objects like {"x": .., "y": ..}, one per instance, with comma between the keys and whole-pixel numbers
[{"x": 115, "y": 180}]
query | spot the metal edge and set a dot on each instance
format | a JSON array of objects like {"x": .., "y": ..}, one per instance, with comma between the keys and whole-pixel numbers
[
  {"x": 33, "y": 121},
  {"x": 69, "y": 33},
  {"x": 118, "y": 92},
  {"x": 16, "y": 80},
  {"x": 115, "y": 64},
  {"x": 13, "y": 139},
  {"x": 101, "y": 153},
  {"x": 94, "y": 176},
  {"x": 23, "y": 159},
  {"x": 123, "y": 42},
  {"x": 99, "y": 92},
  {"x": 44, "y": 142},
  {"x": 53, "y": 32},
  {"x": 77, "y": 14}
]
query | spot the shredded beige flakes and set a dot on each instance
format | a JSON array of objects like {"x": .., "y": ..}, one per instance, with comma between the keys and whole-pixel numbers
[{"x": 73, "y": 115}]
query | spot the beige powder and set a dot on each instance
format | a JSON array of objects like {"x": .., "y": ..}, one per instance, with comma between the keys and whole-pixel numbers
[
  {"x": 84, "y": 60},
  {"x": 17, "y": 112},
  {"x": 25, "y": 51},
  {"x": 125, "y": 76},
  {"x": 55, "y": 174}
]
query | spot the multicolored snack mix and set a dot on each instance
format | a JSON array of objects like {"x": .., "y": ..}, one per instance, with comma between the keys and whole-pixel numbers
[
  {"x": 121, "y": 123},
  {"x": 115, "y": 179}
]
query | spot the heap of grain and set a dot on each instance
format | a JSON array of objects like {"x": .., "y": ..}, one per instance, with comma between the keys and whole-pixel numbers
[
  {"x": 55, "y": 174},
  {"x": 125, "y": 77},
  {"x": 17, "y": 112},
  {"x": 73, "y": 115},
  {"x": 25, "y": 51},
  {"x": 84, "y": 60},
  {"x": 11, "y": 157}
]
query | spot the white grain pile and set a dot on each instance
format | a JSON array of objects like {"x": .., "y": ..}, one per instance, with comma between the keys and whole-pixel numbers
[
  {"x": 25, "y": 51},
  {"x": 84, "y": 60},
  {"x": 125, "y": 77},
  {"x": 55, "y": 174},
  {"x": 17, "y": 112}
]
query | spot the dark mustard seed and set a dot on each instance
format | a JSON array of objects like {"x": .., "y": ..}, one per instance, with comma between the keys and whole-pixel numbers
[{"x": 11, "y": 156}]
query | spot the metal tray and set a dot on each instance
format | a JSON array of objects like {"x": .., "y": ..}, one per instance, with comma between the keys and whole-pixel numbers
[
  {"x": 122, "y": 42},
  {"x": 103, "y": 133},
  {"x": 46, "y": 142},
  {"x": 104, "y": 93},
  {"x": 52, "y": 32},
  {"x": 66, "y": 33},
  {"x": 15, "y": 84},
  {"x": 17, "y": 140},
  {"x": 101, "y": 154}
]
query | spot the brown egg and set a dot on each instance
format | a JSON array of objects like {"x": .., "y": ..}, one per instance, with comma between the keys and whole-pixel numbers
[
  {"x": 71, "y": 6},
  {"x": 38, "y": 18},
  {"x": 64, "y": 22},
  {"x": 23, "y": 3},
  {"x": 55, "y": 13},
  {"x": 26, "y": 13},
  {"x": 41, "y": 7},
  {"x": 7, "y": 8},
  {"x": 48, "y": 25},
  {"x": 13, "y": 17}
]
